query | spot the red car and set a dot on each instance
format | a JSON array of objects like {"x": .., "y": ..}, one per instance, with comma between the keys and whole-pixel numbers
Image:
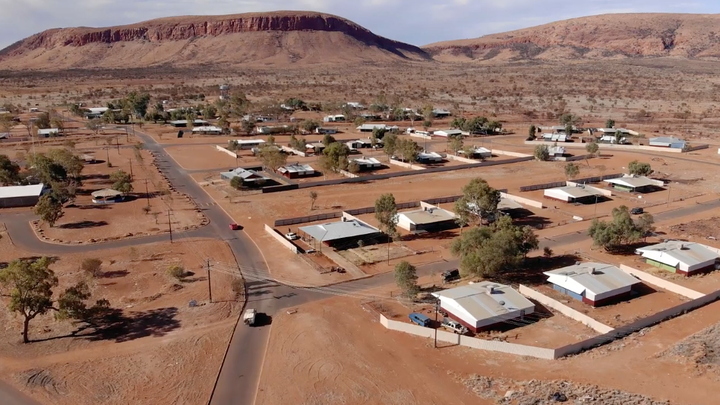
[{"x": 235, "y": 227}]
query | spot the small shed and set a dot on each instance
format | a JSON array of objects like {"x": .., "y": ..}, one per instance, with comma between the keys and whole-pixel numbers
[{"x": 107, "y": 196}]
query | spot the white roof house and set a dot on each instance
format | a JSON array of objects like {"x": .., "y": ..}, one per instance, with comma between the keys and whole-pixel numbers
[
  {"x": 634, "y": 183},
  {"x": 447, "y": 133},
  {"x": 667, "y": 142},
  {"x": 477, "y": 152},
  {"x": 573, "y": 193},
  {"x": 297, "y": 170},
  {"x": 97, "y": 110},
  {"x": 484, "y": 304},
  {"x": 592, "y": 283},
  {"x": 207, "y": 130},
  {"x": 681, "y": 257},
  {"x": 430, "y": 157},
  {"x": 48, "y": 132},
  {"x": 248, "y": 176},
  {"x": 557, "y": 151},
  {"x": 20, "y": 196},
  {"x": 371, "y": 127},
  {"x": 341, "y": 231},
  {"x": 367, "y": 162},
  {"x": 427, "y": 218},
  {"x": 334, "y": 118},
  {"x": 439, "y": 112},
  {"x": 507, "y": 204}
]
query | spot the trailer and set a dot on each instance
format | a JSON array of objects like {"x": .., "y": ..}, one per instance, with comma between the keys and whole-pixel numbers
[{"x": 249, "y": 317}]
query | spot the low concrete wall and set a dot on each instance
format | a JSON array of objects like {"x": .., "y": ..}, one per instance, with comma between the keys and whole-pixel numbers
[
  {"x": 664, "y": 284},
  {"x": 508, "y": 153},
  {"x": 280, "y": 238},
  {"x": 564, "y": 309},
  {"x": 572, "y": 158},
  {"x": 229, "y": 152},
  {"x": 521, "y": 200},
  {"x": 604, "y": 146},
  {"x": 502, "y": 347},
  {"x": 293, "y": 151},
  {"x": 698, "y": 147},
  {"x": 348, "y": 174},
  {"x": 606, "y": 193},
  {"x": 407, "y": 165},
  {"x": 461, "y": 159},
  {"x": 422, "y": 136}
]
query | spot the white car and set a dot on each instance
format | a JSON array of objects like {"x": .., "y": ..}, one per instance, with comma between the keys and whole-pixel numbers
[{"x": 291, "y": 235}]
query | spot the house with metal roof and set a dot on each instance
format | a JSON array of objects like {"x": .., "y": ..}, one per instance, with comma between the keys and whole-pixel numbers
[
  {"x": 686, "y": 258},
  {"x": 246, "y": 143},
  {"x": 248, "y": 176},
  {"x": 430, "y": 157},
  {"x": 448, "y": 133},
  {"x": 571, "y": 194},
  {"x": 20, "y": 196},
  {"x": 207, "y": 130},
  {"x": 48, "y": 132},
  {"x": 428, "y": 219},
  {"x": 640, "y": 184},
  {"x": 667, "y": 142},
  {"x": 367, "y": 163},
  {"x": 595, "y": 284},
  {"x": 334, "y": 118},
  {"x": 107, "y": 196},
  {"x": 476, "y": 153},
  {"x": 184, "y": 123},
  {"x": 557, "y": 151},
  {"x": 557, "y": 137},
  {"x": 484, "y": 305},
  {"x": 296, "y": 170},
  {"x": 342, "y": 234},
  {"x": 441, "y": 113}
]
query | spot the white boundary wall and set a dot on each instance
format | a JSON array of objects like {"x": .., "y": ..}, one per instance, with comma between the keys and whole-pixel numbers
[
  {"x": 604, "y": 146},
  {"x": 229, "y": 152},
  {"x": 564, "y": 309},
  {"x": 293, "y": 151},
  {"x": 348, "y": 174},
  {"x": 453, "y": 338},
  {"x": 664, "y": 284},
  {"x": 462, "y": 159},
  {"x": 521, "y": 200},
  {"x": 407, "y": 165},
  {"x": 508, "y": 153},
  {"x": 281, "y": 239}
]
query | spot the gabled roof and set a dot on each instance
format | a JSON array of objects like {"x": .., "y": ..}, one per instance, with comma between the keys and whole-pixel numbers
[
  {"x": 366, "y": 161},
  {"x": 633, "y": 182},
  {"x": 486, "y": 299},
  {"x": 596, "y": 278},
  {"x": 106, "y": 193},
  {"x": 296, "y": 168},
  {"x": 508, "y": 204},
  {"x": 666, "y": 139},
  {"x": 339, "y": 230},
  {"x": 21, "y": 191},
  {"x": 578, "y": 192},
  {"x": 674, "y": 252},
  {"x": 243, "y": 173}
]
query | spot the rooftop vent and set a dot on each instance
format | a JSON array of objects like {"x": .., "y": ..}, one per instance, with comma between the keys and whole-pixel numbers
[{"x": 490, "y": 289}]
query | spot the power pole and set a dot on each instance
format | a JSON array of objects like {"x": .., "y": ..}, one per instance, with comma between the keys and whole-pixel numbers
[
  {"x": 437, "y": 308},
  {"x": 107, "y": 154},
  {"x": 117, "y": 142},
  {"x": 668, "y": 200},
  {"x": 170, "y": 227},
  {"x": 127, "y": 138},
  {"x": 131, "y": 171},
  {"x": 209, "y": 284},
  {"x": 147, "y": 194}
]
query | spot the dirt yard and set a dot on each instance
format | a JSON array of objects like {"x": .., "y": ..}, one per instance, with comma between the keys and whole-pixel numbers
[{"x": 147, "y": 356}]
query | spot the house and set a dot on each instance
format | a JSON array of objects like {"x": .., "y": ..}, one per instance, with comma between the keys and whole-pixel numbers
[
  {"x": 556, "y": 128},
  {"x": 95, "y": 112},
  {"x": 613, "y": 131},
  {"x": 572, "y": 194},
  {"x": 639, "y": 184},
  {"x": 326, "y": 131},
  {"x": 107, "y": 196},
  {"x": 87, "y": 158},
  {"x": 208, "y": 130},
  {"x": 367, "y": 163},
  {"x": 476, "y": 153},
  {"x": 557, "y": 151},
  {"x": 440, "y": 113},
  {"x": 315, "y": 147},
  {"x": 334, "y": 118},
  {"x": 595, "y": 284},
  {"x": 20, "y": 196},
  {"x": 48, "y": 132},
  {"x": 296, "y": 170},
  {"x": 484, "y": 305},
  {"x": 612, "y": 140},
  {"x": 354, "y": 105},
  {"x": 372, "y": 127},
  {"x": 430, "y": 157},
  {"x": 248, "y": 176},
  {"x": 686, "y": 258},
  {"x": 428, "y": 219},
  {"x": 343, "y": 234},
  {"x": 184, "y": 123},
  {"x": 363, "y": 143},
  {"x": 34, "y": 110},
  {"x": 448, "y": 133},
  {"x": 557, "y": 137},
  {"x": 668, "y": 142},
  {"x": 244, "y": 144},
  {"x": 369, "y": 117}
]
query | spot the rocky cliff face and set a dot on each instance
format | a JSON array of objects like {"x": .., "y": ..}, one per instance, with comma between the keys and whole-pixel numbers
[
  {"x": 162, "y": 31},
  {"x": 596, "y": 37}
]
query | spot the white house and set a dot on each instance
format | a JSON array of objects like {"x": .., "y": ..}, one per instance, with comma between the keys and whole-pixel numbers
[
  {"x": 482, "y": 305},
  {"x": 48, "y": 132},
  {"x": 366, "y": 163},
  {"x": 334, "y": 118},
  {"x": 440, "y": 113},
  {"x": 20, "y": 196},
  {"x": 640, "y": 184},
  {"x": 372, "y": 127},
  {"x": 595, "y": 284},
  {"x": 686, "y": 258},
  {"x": 247, "y": 143},
  {"x": 430, "y": 157},
  {"x": 477, "y": 153},
  {"x": 448, "y": 133},
  {"x": 209, "y": 130},
  {"x": 571, "y": 194},
  {"x": 429, "y": 219},
  {"x": 297, "y": 170}
]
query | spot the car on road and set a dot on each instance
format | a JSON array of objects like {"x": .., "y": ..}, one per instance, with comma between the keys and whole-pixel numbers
[
  {"x": 249, "y": 317},
  {"x": 235, "y": 226},
  {"x": 419, "y": 319},
  {"x": 291, "y": 235},
  {"x": 637, "y": 211},
  {"x": 454, "y": 326}
]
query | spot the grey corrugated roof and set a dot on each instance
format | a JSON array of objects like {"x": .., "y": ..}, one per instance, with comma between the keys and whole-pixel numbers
[
  {"x": 21, "y": 191},
  {"x": 429, "y": 216},
  {"x": 477, "y": 300},
  {"x": 339, "y": 230},
  {"x": 598, "y": 278},
  {"x": 689, "y": 253},
  {"x": 632, "y": 181}
]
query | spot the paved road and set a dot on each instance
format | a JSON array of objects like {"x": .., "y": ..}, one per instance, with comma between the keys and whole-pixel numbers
[{"x": 10, "y": 396}]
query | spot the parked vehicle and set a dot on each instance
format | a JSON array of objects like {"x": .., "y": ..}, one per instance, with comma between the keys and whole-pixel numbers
[
  {"x": 419, "y": 319},
  {"x": 291, "y": 235},
  {"x": 235, "y": 226},
  {"x": 249, "y": 317},
  {"x": 454, "y": 326},
  {"x": 450, "y": 275},
  {"x": 637, "y": 211}
]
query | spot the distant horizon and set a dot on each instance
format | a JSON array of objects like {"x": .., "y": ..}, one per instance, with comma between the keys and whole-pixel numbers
[{"x": 399, "y": 20}]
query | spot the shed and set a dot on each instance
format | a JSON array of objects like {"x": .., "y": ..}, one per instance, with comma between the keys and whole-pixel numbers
[
  {"x": 430, "y": 157},
  {"x": 184, "y": 123},
  {"x": 334, "y": 118},
  {"x": 595, "y": 284},
  {"x": 583, "y": 194},
  {"x": 430, "y": 219},
  {"x": 247, "y": 143},
  {"x": 248, "y": 176},
  {"x": 367, "y": 163},
  {"x": 476, "y": 153},
  {"x": 667, "y": 142},
  {"x": 448, "y": 133},
  {"x": 326, "y": 131},
  {"x": 342, "y": 234},
  {"x": 296, "y": 170},
  {"x": 107, "y": 196},
  {"x": 484, "y": 305},
  {"x": 20, "y": 196},
  {"x": 48, "y": 132},
  {"x": 207, "y": 130},
  {"x": 441, "y": 113},
  {"x": 639, "y": 184},
  {"x": 371, "y": 127},
  {"x": 686, "y": 258}
]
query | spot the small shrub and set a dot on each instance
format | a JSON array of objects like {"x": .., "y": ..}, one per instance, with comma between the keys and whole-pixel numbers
[
  {"x": 238, "y": 287},
  {"x": 176, "y": 271},
  {"x": 146, "y": 209},
  {"x": 92, "y": 266},
  {"x": 547, "y": 252},
  {"x": 133, "y": 254}
]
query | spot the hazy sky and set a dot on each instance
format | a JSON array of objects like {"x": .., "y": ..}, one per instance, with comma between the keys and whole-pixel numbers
[{"x": 415, "y": 21}]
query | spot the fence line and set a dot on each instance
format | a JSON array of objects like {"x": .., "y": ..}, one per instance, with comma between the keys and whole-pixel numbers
[
  {"x": 664, "y": 284},
  {"x": 564, "y": 309},
  {"x": 310, "y": 218},
  {"x": 596, "y": 179},
  {"x": 282, "y": 239},
  {"x": 229, "y": 152}
]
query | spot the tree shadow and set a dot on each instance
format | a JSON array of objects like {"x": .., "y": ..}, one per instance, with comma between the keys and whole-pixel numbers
[
  {"x": 83, "y": 224},
  {"x": 94, "y": 207},
  {"x": 532, "y": 270},
  {"x": 629, "y": 249},
  {"x": 53, "y": 259},
  {"x": 534, "y": 221},
  {"x": 123, "y": 328},
  {"x": 115, "y": 274}
]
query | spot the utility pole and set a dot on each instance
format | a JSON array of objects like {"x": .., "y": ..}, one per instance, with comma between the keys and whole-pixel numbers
[
  {"x": 437, "y": 308},
  {"x": 596, "y": 201},
  {"x": 147, "y": 194},
  {"x": 107, "y": 154},
  {"x": 170, "y": 226},
  {"x": 209, "y": 284},
  {"x": 131, "y": 171},
  {"x": 127, "y": 138},
  {"x": 117, "y": 142},
  {"x": 668, "y": 200}
]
